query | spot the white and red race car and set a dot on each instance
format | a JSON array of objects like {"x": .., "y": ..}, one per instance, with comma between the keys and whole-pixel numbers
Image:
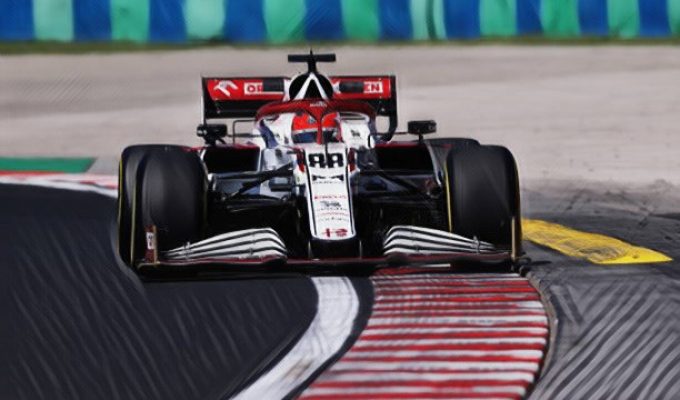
[{"x": 313, "y": 182}]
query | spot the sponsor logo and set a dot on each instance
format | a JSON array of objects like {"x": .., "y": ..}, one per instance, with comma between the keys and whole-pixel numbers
[
  {"x": 253, "y": 88},
  {"x": 150, "y": 241},
  {"x": 331, "y": 204},
  {"x": 330, "y": 197},
  {"x": 328, "y": 179},
  {"x": 321, "y": 160},
  {"x": 225, "y": 86},
  {"x": 335, "y": 232},
  {"x": 373, "y": 87}
]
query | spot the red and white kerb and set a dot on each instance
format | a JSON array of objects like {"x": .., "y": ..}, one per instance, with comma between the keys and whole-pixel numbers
[{"x": 443, "y": 336}]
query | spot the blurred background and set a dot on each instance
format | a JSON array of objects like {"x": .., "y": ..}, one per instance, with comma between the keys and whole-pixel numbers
[{"x": 578, "y": 89}]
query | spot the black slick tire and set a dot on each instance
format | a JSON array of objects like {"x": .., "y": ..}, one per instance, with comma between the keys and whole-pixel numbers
[
  {"x": 172, "y": 196},
  {"x": 482, "y": 195},
  {"x": 128, "y": 167}
]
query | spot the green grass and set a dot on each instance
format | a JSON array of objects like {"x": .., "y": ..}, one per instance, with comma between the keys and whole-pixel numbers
[{"x": 18, "y": 48}]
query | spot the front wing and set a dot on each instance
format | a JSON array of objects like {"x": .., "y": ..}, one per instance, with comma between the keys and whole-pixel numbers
[{"x": 263, "y": 248}]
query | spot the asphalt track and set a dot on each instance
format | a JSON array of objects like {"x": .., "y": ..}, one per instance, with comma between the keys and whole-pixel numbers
[
  {"x": 77, "y": 325},
  {"x": 82, "y": 326},
  {"x": 616, "y": 329},
  {"x": 595, "y": 134}
]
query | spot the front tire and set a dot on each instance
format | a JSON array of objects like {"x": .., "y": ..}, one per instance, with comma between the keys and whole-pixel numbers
[
  {"x": 128, "y": 168},
  {"x": 172, "y": 196},
  {"x": 482, "y": 195},
  {"x": 162, "y": 186}
]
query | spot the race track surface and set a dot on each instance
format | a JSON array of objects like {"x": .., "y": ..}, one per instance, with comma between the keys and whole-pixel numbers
[
  {"x": 616, "y": 329},
  {"x": 82, "y": 326},
  {"x": 594, "y": 131},
  {"x": 77, "y": 325}
]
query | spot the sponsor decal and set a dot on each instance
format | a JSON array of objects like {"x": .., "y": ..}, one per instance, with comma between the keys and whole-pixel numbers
[
  {"x": 330, "y": 204},
  {"x": 328, "y": 179},
  {"x": 225, "y": 86},
  {"x": 330, "y": 196},
  {"x": 253, "y": 88},
  {"x": 150, "y": 242},
  {"x": 338, "y": 233},
  {"x": 373, "y": 87},
  {"x": 330, "y": 160}
]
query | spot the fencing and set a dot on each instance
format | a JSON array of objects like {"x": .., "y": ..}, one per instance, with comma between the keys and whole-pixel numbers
[{"x": 283, "y": 21}]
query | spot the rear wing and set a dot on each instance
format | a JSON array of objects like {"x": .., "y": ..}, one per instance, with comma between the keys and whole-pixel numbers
[{"x": 233, "y": 97}]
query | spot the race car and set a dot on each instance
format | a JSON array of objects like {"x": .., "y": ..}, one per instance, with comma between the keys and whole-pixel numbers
[{"x": 305, "y": 177}]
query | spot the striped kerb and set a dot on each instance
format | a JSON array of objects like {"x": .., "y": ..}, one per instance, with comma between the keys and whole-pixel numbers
[
  {"x": 53, "y": 20},
  {"x": 130, "y": 20},
  {"x": 442, "y": 335},
  {"x": 204, "y": 19},
  {"x": 284, "y": 20}
]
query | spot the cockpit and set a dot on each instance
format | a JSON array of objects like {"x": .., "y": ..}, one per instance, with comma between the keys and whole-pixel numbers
[{"x": 301, "y": 122}]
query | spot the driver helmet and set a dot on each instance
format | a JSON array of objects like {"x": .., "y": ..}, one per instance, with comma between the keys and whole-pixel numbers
[{"x": 305, "y": 128}]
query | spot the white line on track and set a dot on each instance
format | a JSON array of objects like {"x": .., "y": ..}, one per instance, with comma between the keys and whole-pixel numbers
[
  {"x": 55, "y": 182},
  {"x": 338, "y": 306}
]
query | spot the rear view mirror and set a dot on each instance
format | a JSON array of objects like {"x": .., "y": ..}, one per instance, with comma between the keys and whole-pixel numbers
[
  {"x": 422, "y": 127},
  {"x": 211, "y": 133}
]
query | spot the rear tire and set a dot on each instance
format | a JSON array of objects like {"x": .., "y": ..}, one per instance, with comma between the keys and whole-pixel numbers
[{"x": 483, "y": 195}]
